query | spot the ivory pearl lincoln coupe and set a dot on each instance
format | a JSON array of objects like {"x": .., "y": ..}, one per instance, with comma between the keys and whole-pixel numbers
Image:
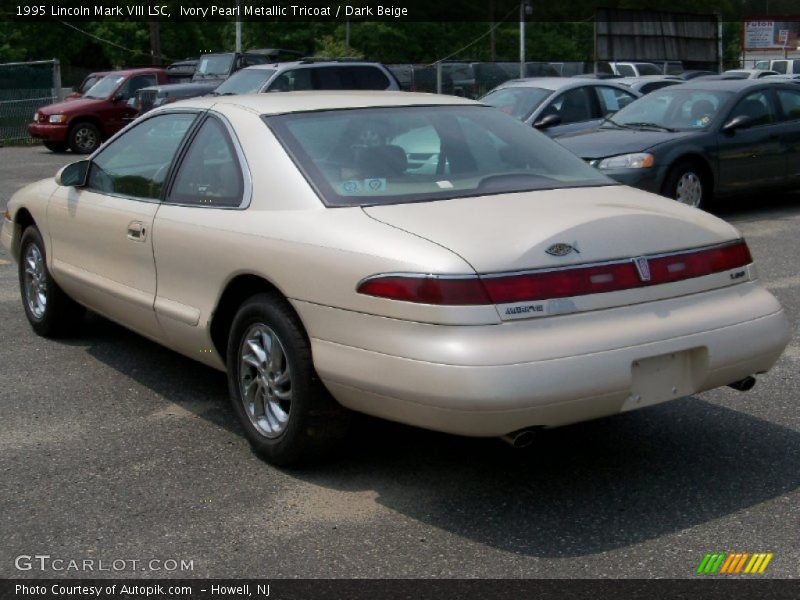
[{"x": 421, "y": 258}]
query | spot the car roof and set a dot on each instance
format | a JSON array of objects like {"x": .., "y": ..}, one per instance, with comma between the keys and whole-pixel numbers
[
  {"x": 555, "y": 83},
  {"x": 312, "y": 63},
  {"x": 727, "y": 85},
  {"x": 135, "y": 71},
  {"x": 749, "y": 71},
  {"x": 647, "y": 79},
  {"x": 288, "y": 102}
]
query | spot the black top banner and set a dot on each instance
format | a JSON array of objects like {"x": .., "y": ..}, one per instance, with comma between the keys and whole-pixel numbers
[{"x": 369, "y": 10}]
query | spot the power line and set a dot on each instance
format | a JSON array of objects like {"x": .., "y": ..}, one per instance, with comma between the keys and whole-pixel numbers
[
  {"x": 477, "y": 39},
  {"x": 109, "y": 42}
]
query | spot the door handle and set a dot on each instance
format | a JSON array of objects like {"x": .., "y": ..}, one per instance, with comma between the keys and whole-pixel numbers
[{"x": 136, "y": 231}]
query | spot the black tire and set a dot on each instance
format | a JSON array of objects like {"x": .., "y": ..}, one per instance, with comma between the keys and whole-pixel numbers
[
  {"x": 84, "y": 137},
  {"x": 59, "y": 315},
  {"x": 691, "y": 174},
  {"x": 316, "y": 423},
  {"x": 56, "y": 146}
]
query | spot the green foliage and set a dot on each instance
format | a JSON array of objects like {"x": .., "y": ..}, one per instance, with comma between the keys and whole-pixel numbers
[
  {"x": 333, "y": 47},
  {"x": 125, "y": 43}
]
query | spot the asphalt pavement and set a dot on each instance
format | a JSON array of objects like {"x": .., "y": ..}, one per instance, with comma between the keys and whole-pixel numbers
[{"x": 115, "y": 449}]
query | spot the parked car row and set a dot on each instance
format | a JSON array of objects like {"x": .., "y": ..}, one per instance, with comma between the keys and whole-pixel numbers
[
  {"x": 701, "y": 140},
  {"x": 210, "y": 71},
  {"x": 557, "y": 105},
  {"x": 694, "y": 140},
  {"x": 81, "y": 124}
]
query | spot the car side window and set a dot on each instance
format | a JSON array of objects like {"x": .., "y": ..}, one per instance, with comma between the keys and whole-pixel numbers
[
  {"x": 790, "y": 104},
  {"x": 210, "y": 173},
  {"x": 136, "y": 83},
  {"x": 293, "y": 80},
  {"x": 573, "y": 106},
  {"x": 757, "y": 106},
  {"x": 136, "y": 163},
  {"x": 364, "y": 78},
  {"x": 626, "y": 71},
  {"x": 612, "y": 99}
]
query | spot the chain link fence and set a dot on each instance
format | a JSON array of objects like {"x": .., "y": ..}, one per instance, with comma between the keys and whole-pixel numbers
[{"x": 24, "y": 88}]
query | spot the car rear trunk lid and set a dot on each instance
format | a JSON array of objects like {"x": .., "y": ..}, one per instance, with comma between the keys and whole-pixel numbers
[{"x": 608, "y": 235}]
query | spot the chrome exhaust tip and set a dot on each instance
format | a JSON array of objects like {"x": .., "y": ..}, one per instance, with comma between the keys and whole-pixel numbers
[
  {"x": 520, "y": 438},
  {"x": 743, "y": 385}
]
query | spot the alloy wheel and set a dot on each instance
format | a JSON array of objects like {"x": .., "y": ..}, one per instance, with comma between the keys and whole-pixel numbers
[
  {"x": 265, "y": 380},
  {"x": 35, "y": 281}
]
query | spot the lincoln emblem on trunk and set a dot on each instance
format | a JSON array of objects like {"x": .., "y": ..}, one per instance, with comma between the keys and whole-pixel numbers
[
  {"x": 642, "y": 267},
  {"x": 562, "y": 249}
]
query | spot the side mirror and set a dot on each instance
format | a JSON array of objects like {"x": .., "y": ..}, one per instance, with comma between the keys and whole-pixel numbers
[
  {"x": 74, "y": 174},
  {"x": 548, "y": 121},
  {"x": 118, "y": 97},
  {"x": 738, "y": 122}
]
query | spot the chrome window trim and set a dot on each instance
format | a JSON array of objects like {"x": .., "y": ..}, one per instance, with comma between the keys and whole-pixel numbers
[
  {"x": 244, "y": 167},
  {"x": 135, "y": 123}
]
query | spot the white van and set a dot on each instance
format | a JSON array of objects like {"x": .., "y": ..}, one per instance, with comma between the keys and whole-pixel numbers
[
  {"x": 786, "y": 66},
  {"x": 635, "y": 69},
  {"x": 783, "y": 66}
]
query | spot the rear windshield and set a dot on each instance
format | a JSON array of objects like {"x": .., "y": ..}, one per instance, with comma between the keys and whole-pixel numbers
[
  {"x": 213, "y": 65},
  {"x": 246, "y": 81},
  {"x": 392, "y": 155},
  {"x": 648, "y": 69}
]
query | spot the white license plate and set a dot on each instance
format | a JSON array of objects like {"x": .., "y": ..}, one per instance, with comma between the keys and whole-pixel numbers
[{"x": 666, "y": 377}]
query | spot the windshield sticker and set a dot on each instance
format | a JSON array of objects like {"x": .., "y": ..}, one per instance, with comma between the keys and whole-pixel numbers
[
  {"x": 351, "y": 186},
  {"x": 375, "y": 185},
  {"x": 368, "y": 186},
  {"x": 445, "y": 185}
]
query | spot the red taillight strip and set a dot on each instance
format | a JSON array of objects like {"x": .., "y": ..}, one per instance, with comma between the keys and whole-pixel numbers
[
  {"x": 426, "y": 289},
  {"x": 617, "y": 275},
  {"x": 544, "y": 284}
]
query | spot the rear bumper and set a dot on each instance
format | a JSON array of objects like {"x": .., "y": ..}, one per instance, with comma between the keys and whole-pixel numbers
[
  {"x": 48, "y": 132},
  {"x": 494, "y": 379}
]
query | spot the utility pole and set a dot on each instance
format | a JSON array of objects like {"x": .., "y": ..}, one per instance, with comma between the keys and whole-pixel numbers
[
  {"x": 492, "y": 41},
  {"x": 238, "y": 28},
  {"x": 155, "y": 43},
  {"x": 525, "y": 8}
]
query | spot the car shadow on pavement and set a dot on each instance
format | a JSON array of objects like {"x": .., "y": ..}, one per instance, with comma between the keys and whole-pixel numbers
[
  {"x": 774, "y": 204},
  {"x": 198, "y": 389},
  {"x": 576, "y": 491}
]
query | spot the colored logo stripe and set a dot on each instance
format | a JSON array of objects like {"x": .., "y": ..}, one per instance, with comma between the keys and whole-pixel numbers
[{"x": 731, "y": 563}]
